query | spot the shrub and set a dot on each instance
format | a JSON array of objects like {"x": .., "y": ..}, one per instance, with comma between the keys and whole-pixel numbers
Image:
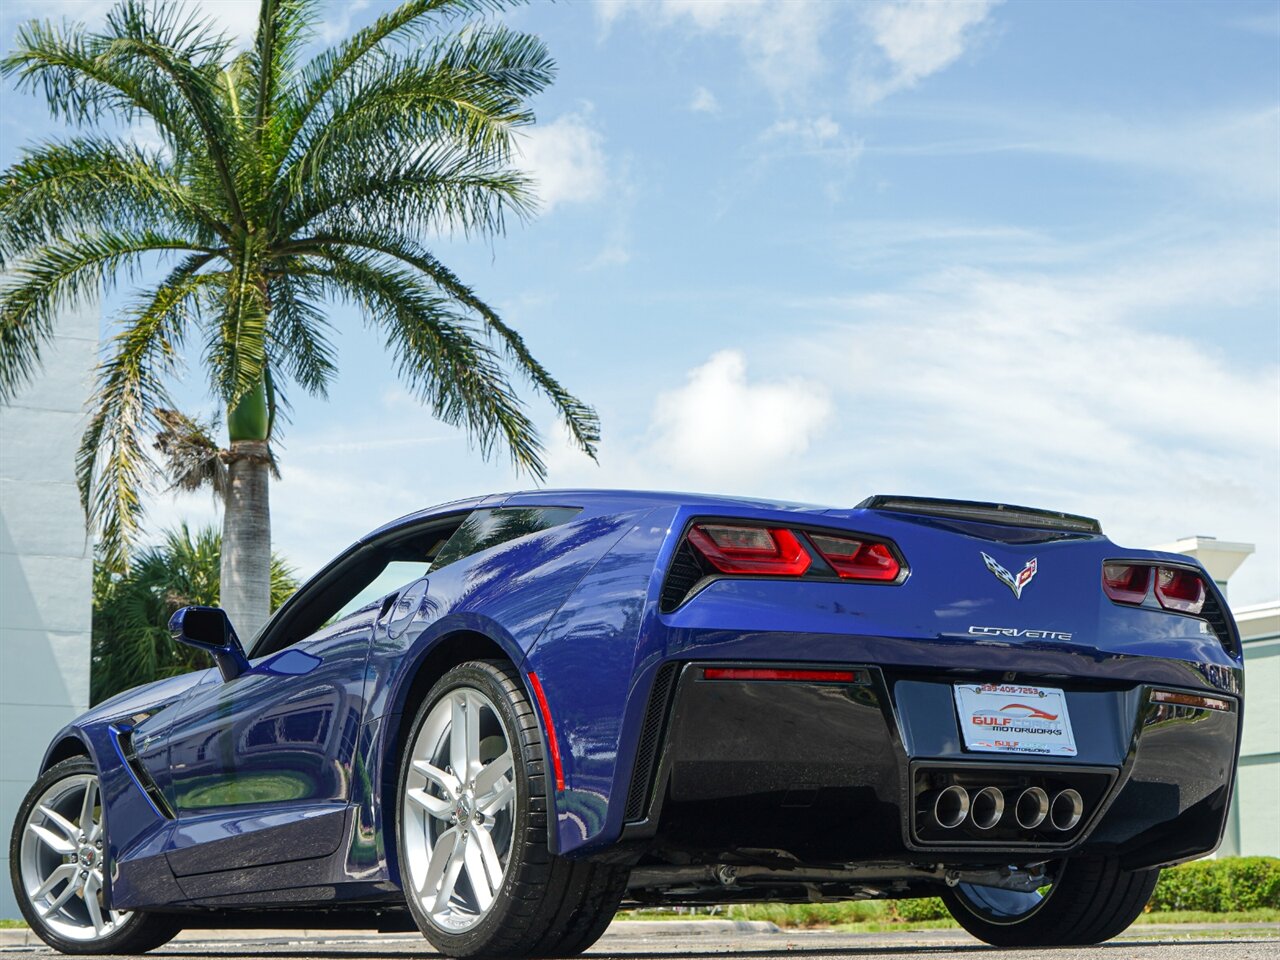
[
  {"x": 923, "y": 908},
  {"x": 1219, "y": 886}
]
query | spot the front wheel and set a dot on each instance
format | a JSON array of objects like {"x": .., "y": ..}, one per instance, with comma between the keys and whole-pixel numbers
[
  {"x": 1089, "y": 901},
  {"x": 472, "y": 828},
  {"x": 56, "y": 865}
]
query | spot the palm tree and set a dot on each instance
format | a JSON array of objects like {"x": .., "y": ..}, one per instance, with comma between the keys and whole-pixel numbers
[
  {"x": 279, "y": 187},
  {"x": 131, "y": 610}
]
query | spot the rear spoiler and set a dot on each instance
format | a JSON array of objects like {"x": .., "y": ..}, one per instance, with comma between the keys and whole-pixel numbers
[{"x": 978, "y": 512}]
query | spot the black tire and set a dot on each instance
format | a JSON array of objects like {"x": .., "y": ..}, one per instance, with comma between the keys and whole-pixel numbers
[
  {"x": 136, "y": 933},
  {"x": 1093, "y": 899},
  {"x": 546, "y": 906}
]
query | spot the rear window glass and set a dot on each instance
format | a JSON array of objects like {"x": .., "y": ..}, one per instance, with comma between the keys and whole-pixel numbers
[{"x": 489, "y": 528}]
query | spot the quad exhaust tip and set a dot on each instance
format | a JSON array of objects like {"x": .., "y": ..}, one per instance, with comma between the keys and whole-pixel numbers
[
  {"x": 951, "y": 806},
  {"x": 1031, "y": 808},
  {"x": 1066, "y": 810},
  {"x": 987, "y": 808}
]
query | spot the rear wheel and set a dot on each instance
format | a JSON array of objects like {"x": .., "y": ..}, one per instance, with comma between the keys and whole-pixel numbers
[
  {"x": 1090, "y": 900},
  {"x": 472, "y": 828},
  {"x": 56, "y": 865}
]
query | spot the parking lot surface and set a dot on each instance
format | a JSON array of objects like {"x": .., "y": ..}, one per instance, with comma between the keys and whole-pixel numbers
[{"x": 1140, "y": 943}]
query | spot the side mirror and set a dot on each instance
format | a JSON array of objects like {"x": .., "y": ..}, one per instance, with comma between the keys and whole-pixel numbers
[{"x": 209, "y": 629}]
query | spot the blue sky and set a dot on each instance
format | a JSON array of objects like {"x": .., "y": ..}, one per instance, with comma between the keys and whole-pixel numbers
[{"x": 1022, "y": 251}]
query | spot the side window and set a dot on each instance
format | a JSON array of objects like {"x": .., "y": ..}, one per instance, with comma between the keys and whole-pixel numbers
[
  {"x": 355, "y": 580},
  {"x": 394, "y": 575},
  {"x": 489, "y": 528}
]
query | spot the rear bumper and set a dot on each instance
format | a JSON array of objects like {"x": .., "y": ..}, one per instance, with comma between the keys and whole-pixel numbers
[{"x": 845, "y": 772}]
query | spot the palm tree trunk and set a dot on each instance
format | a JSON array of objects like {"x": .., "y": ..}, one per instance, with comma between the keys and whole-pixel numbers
[
  {"x": 245, "y": 582},
  {"x": 245, "y": 587}
]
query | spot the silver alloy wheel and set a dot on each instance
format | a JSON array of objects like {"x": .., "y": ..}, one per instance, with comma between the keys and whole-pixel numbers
[
  {"x": 1001, "y": 906},
  {"x": 458, "y": 810},
  {"x": 61, "y": 861}
]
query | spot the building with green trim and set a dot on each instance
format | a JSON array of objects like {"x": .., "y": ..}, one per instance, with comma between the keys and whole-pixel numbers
[{"x": 1253, "y": 829}]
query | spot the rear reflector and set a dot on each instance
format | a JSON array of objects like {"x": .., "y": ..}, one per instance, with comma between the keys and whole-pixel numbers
[
  {"x": 1126, "y": 582},
  {"x": 857, "y": 559},
  {"x": 760, "y": 551},
  {"x": 1190, "y": 700},
  {"x": 766, "y": 673},
  {"x": 1180, "y": 590}
]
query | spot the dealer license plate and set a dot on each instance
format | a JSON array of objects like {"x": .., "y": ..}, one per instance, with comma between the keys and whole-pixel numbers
[{"x": 1013, "y": 718}]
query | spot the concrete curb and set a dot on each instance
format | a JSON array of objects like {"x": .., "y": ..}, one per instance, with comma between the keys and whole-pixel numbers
[{"x": 619, "y": 928}]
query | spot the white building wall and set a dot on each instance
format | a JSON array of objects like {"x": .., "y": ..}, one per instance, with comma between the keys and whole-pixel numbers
[
  {"x": 46, "y": 565},
  {"x": 1254, "y": 828}
]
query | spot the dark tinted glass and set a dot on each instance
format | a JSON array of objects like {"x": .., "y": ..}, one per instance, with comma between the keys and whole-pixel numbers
[{"x": 488, "y": 528}]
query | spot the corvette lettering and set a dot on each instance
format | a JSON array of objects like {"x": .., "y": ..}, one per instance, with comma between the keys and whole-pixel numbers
[{"x": 1019, "y": 632}]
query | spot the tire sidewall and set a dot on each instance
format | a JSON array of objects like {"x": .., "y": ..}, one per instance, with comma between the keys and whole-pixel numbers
[
  {"x": 486, "y": 678},
  {"x": 76, "y": 766}
]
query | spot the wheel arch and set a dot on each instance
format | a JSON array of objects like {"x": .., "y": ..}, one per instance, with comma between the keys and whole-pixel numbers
[
  {"x": 443, "y": 654},
  {"x": 64, "y": 748}
]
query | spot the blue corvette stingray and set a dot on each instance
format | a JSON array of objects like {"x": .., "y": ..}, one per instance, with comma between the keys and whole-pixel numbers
[{"x": 499, "y": 719}]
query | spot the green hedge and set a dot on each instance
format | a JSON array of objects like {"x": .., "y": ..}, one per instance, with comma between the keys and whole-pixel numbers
[
  {"x": 924, "y": 908},
  {"x": 1219, "y": 886}
]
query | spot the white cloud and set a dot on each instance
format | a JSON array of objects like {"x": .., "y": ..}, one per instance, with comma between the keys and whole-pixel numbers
[
  {"x": 613, "y": 254},
  {"x": 566, "y": 157},
  {"x": 704, "y": 101},
  {"x": 785, "y": 42},
  {"x": 916, "y": 39},
  {"x": 780, "y": 39},
  {"x": 721, "y": 427},
  {"x": 239, "y": 18},
  {"x": 811, "y": 132},
  {"x": 337, "y": 25},
  {"x": 1065, "y": 391}
]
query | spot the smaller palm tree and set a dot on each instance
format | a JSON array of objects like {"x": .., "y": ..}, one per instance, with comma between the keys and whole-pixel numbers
[{"x": 131, "y": 643}]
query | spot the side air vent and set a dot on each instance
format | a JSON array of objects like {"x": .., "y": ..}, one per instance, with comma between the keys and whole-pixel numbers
[
  {"x": 685, "y": 573},
  {"x": 1213, "y": 613},
  {"x": 655, "y": 718},
  {"x": 149, "y": 786}
]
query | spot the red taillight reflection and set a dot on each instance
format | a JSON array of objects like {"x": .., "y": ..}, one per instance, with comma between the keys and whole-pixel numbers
[
  {"x": 1180, "y": 590},
  {"x": 750, "y": 550},
  {"x": 769, "y": 673},
  {"x": 1126, "y": 582},
  {"x": 857, "y": 559}
]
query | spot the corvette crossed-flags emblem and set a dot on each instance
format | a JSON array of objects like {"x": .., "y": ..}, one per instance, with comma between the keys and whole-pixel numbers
[{"x": 1014, "y": 583}]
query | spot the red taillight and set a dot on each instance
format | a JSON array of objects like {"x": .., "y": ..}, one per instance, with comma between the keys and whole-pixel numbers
[
  {"x": 766, "y": 551},
  {"x": 768, "y": 673},
  {"x": 1126, "y": 582},
  {"x": 857, "y": 559},
  {"x": 1180, "y": 590}
]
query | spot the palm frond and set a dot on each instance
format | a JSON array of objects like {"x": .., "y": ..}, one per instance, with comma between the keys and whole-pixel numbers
[
  {"x": 469, "y": 90},
  {"x": 95, "y": 183},
  {"x": 297, "y": 333},
  {"x": 59, "y": 276},
  {"x": 439, "y": 190},
  {"x": 439, "y": 355},
  {"x": 325, "y": 72},
  {"x": 188, "y": 56},
  {"x": 192, "y": 458},
  {"x": 112, "y": 466},
  {"x": 580, "y": 418},
  {"x": 236, "y": 349}
]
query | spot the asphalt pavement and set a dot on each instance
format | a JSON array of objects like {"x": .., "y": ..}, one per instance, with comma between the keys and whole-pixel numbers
[{"x": 676, "y": 941}]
